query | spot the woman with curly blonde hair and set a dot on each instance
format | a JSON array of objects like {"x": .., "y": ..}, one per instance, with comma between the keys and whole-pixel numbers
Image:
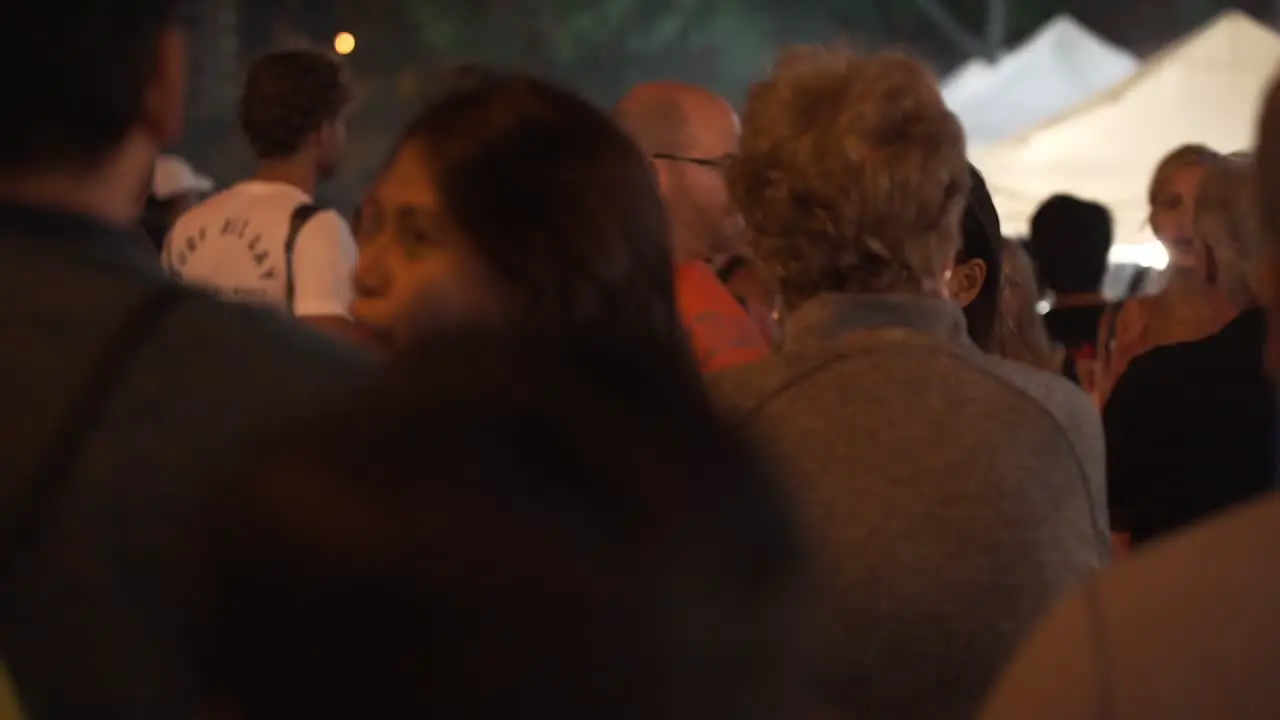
[{"x": 950, "y": 494}]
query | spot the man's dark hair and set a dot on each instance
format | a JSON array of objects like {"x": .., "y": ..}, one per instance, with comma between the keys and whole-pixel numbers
[
  {"x": 509, "y": 527},
  {"x": 556, "y": 199},
  {"x": 75, "y": 72},
  {"x": 982, "y": 240},
  {"x": 289, "y": 95},
  {"x": 1071, "y": 239}
]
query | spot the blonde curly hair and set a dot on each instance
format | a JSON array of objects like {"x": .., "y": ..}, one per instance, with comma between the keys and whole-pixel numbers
[{"x": 852, "y": 175}]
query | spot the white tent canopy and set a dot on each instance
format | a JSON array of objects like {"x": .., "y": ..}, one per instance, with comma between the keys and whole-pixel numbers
[
  {"x": 967, "y": 78},
  {"x": 1205, "y": 88},
  {"x": 1061, "y": 64}
]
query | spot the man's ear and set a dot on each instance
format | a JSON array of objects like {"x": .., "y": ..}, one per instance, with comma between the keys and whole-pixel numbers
[
  {"x": 659, "y": 175},
  {"x": 967, "y": 279},
  {"x": 326, "y": 136}
]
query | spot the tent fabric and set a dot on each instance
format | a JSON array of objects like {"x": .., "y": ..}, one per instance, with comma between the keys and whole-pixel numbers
[
  {"x": 1206, "y": 88},
  {"x": 969, "y": 77},
  {"x": 1061, "y": 64}
]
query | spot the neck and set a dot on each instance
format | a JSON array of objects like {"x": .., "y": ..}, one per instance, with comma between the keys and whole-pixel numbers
[
  {"x": 1237, "y": 286},
  {"x": 1185, "y": 278},
  {"x": 688, "y": 244},
  {"x": 687, "y": 249},
  {"x": 114, "y": 191},
  {"x": 297, "y": 171}
]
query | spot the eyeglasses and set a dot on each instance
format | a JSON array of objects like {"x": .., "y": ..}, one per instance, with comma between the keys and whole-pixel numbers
[{"x": 719, "y": 163}]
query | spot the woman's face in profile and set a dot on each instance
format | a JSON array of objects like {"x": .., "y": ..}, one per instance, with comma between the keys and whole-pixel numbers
[
  {"x": 417, "y": 272},
  {"x": 1172, "y": 216}
]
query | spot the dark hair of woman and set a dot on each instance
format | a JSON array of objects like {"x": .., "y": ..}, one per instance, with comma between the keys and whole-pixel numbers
[
  {"x": 982, "y": 241},
  {"x": 512, "y": 526},
  {"x": 558, "y": 202}
]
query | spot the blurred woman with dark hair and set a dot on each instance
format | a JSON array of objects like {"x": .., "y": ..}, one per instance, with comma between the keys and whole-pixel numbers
[
  {"x": 976, "y": 277},
  {"x": 512, "y": 526},
  {"x": 510, "y": 202}
]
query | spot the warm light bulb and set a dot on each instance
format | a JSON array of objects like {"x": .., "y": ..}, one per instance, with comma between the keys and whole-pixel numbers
[{"x": 344, "y": 43}]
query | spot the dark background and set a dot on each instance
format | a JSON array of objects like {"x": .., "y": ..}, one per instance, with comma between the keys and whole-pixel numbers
[{"x": 602, "y": 47}]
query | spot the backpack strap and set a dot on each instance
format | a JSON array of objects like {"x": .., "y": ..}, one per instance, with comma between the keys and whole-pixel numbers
[
  {"x": 300, "y": 217},
  {"x": 82, "y": 416}
]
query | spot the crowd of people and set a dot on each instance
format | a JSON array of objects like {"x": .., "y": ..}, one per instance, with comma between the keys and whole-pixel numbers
[{"x": 645, "y": 412}]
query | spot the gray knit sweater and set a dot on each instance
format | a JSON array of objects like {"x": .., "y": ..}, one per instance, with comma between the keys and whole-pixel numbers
[{"x": 950, "y": 496}]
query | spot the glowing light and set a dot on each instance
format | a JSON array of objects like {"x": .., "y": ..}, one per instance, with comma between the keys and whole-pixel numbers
[
  {"x": 344, "y": 43},
  {"x": 1148, "y": 254}
]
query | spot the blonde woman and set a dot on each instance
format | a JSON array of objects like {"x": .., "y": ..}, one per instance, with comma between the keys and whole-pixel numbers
[
  {"x": 1190, "y": 306},
  {"x": 1190, "y": 426},
  {"x": 951, "y": 495},
  {"x": 1185, "y": 630}
]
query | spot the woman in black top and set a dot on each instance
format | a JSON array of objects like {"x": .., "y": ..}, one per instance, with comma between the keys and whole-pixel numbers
[{"x": 1190, "y": 426}]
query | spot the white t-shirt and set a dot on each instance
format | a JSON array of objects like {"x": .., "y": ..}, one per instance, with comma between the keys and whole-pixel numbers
[{"x": 234, "y": 244}]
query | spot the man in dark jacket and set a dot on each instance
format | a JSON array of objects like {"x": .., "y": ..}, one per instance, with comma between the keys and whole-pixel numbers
[{"x": 124, "y": 396}]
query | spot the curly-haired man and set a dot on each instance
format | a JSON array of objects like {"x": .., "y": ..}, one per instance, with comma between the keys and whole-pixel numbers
[
  {"x": 264, "y": 240},
  {"x": 951, "y": 495}
]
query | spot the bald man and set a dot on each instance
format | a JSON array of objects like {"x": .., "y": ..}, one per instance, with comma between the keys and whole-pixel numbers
[
  {"x": 1187, "y": 628},
  {"x": 690, "y": 135}
]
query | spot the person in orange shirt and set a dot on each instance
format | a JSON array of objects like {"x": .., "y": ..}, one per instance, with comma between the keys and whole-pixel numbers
[
  {"x": 749, "y": 283},
  {"x": 722, "y": 332},
  {"x": 690, "y": 136}
]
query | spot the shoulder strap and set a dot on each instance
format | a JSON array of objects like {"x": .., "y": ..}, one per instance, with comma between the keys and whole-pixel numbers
[
  {"x": 1113, "y": 322},
  {"x": 300, "y": 217},
  {"x": 58, "y": 458},
  {"x": 1110, "y": 325}
]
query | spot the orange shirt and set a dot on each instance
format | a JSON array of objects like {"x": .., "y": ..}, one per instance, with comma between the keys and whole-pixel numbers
[{"x": 722, "y": 333}]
